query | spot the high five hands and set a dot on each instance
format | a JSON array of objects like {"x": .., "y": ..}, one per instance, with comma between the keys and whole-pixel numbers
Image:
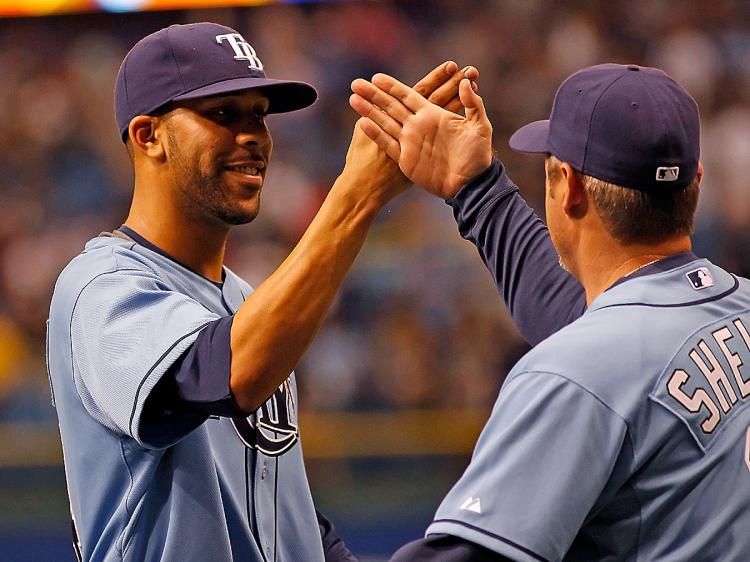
[{"x": 434, "y": 147}]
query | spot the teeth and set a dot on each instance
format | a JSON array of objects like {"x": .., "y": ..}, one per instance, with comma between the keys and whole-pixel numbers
[{"x": 245, "y": 170}]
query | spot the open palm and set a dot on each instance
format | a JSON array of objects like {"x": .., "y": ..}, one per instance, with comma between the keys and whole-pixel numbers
[{"x": 435, "y": 148}]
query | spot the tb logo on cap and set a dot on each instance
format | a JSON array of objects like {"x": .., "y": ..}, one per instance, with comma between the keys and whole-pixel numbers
[{"x": 242, "y": 49}]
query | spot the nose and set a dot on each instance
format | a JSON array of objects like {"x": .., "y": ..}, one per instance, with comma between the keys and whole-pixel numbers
[{"x": 253, "y": 136}]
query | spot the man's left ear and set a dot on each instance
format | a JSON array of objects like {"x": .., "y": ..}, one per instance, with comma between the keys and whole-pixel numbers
[{"x": 699, "y": 174}]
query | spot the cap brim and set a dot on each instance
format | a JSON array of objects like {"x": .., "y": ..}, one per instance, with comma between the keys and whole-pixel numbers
[
  {"x": 283, "y": 95},
  {"x": 533, "y": 137}
]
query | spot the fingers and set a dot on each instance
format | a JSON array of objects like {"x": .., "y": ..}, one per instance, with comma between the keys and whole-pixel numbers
[
  {"x": 448, "y": 90},
  {"x": 372, "y": 93},
  {"x": 386, "y": 142},
  {"x": 401, "y": 92},
  {"x": 471, "y": 101},
  {"x": 455, "y": 105},
  {"x": 436, "y": 78},
  {"x": 366, "y": 109}
]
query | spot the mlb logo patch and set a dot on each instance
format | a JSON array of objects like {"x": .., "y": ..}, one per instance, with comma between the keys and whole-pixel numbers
[
  {"x": 667, "y": 173},
  {"x": 700, "y": 278}
]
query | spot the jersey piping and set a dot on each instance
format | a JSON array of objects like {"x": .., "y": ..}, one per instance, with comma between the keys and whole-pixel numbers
[
  {"x": 726, "y": 293},
  {"x": 148, "y": 373},
  {"x": 494, "y": 536}
]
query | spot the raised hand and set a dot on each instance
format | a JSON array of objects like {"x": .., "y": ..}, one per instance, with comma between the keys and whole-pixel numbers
[
  {"x": 365, "y": 160},
  {"x": 435, "y": 148}
]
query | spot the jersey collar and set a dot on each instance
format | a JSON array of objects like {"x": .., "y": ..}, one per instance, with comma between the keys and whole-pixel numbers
[
  {"x": 659, "y": 266},
  {"x": 130, "y": 233}
]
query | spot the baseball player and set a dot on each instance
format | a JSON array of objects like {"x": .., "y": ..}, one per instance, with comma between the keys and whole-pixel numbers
[
  {"x": 624, "y": 434},
  {"x": 172, "y": 378}
]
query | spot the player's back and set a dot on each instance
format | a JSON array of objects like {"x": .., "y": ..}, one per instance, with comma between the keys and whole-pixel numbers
[{"x": 669, "y": 355}]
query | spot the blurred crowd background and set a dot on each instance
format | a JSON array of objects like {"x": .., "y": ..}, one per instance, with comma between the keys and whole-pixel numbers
[{"x": 419, "y": 325}]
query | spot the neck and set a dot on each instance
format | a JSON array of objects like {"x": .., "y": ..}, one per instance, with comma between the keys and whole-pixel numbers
[
  {"x": 603, "y": 268},
  {"x": 198, "y": 245}
]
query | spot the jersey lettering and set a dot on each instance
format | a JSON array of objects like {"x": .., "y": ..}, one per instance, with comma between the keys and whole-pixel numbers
[
  {"x": 721, "y": 337},
  {"x": 700, "y": 379},
  {"x": 715, "y": 375},
  {"x": 694, "y": 403},
  {"x": 274, "y": 430},
  {"x": 747, "y": 448}
]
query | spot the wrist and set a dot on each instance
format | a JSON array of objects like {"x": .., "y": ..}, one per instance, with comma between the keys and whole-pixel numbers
[{"x": 366, "y": 193}]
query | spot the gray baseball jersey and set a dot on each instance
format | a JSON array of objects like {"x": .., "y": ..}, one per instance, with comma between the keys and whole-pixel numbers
[
  {"x": 625, "y": 435},
  {"x": 185, "y": 486}
]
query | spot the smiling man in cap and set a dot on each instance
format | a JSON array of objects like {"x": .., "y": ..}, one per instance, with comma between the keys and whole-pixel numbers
[
  {"x": 172, "y": 378},
  {"x": 625, "y": 433}
]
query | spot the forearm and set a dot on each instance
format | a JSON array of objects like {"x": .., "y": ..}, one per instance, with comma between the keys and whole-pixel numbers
[
  {"x": 276, "y": 324},
  {"x": 516, "y": 248}
]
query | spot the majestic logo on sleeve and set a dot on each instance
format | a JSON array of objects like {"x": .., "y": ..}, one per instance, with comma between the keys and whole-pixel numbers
[
  {"x": 242, "y": 49},
  {"x": 274, "y": 430},
  {"x": 472, "y": 504}
]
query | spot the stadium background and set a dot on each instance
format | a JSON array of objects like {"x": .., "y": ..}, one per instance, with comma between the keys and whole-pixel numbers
[{"x": 398, "y": 383}]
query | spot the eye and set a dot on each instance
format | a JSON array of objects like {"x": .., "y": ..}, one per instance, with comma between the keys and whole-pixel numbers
[{"x": 222, "y": 114}]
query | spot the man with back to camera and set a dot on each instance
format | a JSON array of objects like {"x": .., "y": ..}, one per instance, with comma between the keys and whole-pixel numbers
[
  {"x": 625, "y": 435},
  {"x": 171, "y": 377}
]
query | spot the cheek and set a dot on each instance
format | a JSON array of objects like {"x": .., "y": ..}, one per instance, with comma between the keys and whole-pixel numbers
[
  {"x": 554, "y": 224},
  {"x": 268, "y": 145}
]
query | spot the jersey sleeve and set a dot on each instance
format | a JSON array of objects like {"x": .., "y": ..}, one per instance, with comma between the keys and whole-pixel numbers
[
  {"x": 539, "y": 466},
  {"x": 445, "y": 548},
  {"x": 127, "y": 330},
  {"x": 516, "y": 247}
]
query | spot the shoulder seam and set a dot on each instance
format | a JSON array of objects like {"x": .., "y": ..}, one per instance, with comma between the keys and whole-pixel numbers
[{"x": 577, "y": 384}]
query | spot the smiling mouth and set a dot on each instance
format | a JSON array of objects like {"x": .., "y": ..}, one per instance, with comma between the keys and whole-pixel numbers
[{"x": 246, "y": 170}]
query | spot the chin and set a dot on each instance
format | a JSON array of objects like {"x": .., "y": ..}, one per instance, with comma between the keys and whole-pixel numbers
[
  {"x": 235, "y": 215},
  {"x": 236, "y": 219}
]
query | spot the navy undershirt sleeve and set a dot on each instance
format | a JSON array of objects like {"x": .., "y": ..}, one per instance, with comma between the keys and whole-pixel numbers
[
  {"x": 445, "y": 548},
  {"x": 516, "y": 247},
  {"x": 201, "y": 375},
  {"x": 334, "y": 548}
]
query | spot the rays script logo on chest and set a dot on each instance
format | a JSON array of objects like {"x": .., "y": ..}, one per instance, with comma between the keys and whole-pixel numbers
[{"x": 272, "y": 429}]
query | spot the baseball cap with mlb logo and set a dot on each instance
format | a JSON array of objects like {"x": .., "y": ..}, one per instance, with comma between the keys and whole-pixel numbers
[
  {"x": 195, "y": 60},
  {"x": 629, "y": 125}
]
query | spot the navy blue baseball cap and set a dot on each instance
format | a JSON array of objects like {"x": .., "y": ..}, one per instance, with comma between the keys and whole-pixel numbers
[
  {"x": 625, "y": 124},
  {"x": 182, "y": 62}
]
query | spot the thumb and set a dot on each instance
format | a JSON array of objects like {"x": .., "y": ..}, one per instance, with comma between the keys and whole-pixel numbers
[{"x": 471, "y": 101}]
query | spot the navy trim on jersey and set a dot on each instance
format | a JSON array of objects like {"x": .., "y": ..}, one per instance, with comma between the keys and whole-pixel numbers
[
  {"x": 726, "y": 293},
  {"x": 154, "y": 248},
  {"x": 275, "y": 507},
  {"x": 439, "y": 547},
  {"x": 250, "y": 520},
  {"x": 203, "y": 372},
  {"x": 494, "y": 536},
  {"x": 145, "y": 377},
  {"x": 665, "y": 264}
]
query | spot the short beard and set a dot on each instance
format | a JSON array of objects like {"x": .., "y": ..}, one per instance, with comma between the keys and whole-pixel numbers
[{"x": 204, "y": 195}]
